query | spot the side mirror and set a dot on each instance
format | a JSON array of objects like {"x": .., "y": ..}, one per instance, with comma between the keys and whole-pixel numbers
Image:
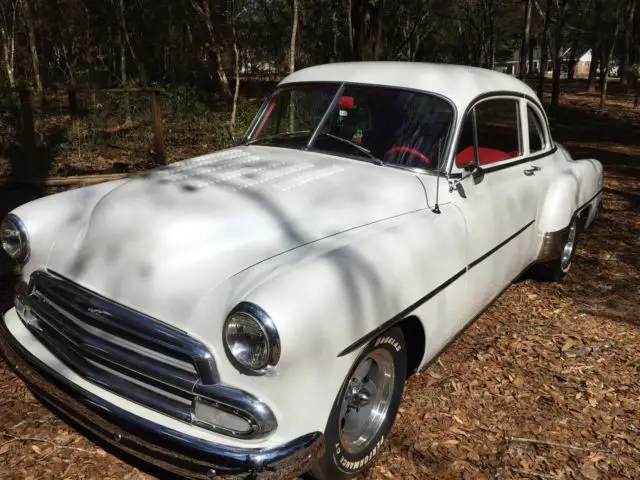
[{"x": 476, "y": 172}]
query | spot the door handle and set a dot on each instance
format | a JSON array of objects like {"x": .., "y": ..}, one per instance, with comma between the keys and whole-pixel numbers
[{"x": 532, "y": 170}]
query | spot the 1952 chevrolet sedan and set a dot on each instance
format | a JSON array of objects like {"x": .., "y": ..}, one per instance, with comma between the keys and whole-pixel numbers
[{"x": 254, "y": 312}]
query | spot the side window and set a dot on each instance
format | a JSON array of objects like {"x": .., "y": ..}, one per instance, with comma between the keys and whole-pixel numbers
[
  {"x": 498, "y": 129},
  {"x": 536, "y": 131}
]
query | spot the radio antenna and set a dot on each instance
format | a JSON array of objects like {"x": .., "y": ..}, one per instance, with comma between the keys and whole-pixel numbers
[{"x": 436, "y": 207}]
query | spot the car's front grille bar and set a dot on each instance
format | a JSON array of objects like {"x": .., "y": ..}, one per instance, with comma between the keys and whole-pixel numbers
[
  {"x": 171, "y": 344},
  {"x": 116, "y": 348}
]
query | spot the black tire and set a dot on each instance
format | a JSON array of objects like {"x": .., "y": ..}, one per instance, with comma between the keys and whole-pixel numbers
[
  {"x": 555, "y": 270},
  {"x": 341, "y": 460}
]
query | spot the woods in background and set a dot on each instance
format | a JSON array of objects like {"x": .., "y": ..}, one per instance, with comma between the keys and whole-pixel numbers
[{"x": 77, "y": 43}]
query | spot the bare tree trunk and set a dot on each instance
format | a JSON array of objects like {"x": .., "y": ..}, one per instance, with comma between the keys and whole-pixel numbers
[
  {"x": 123, "y": 60},
  {"x": 377, "y": 49},
  {"x": 294, "y": 33},
  {"x": 531, "y": 50},
  {"x": 526, "y": 33},
  {"x": 491, "y": 54},
  {"x": 125, "y": 40},
  {"x": 123, "y": 79},
  {"x": 543, "y": 49},
  {"x": 8, "y": 39},
  {"x": 236, "y": 57},
  {"x": 292, "y": 60},
  {"x": 593, "y": 68},
  {"x": 557, "y": 51},
  {"x": 628, "y": 44},
  {"x": 604, "y": 65},
  {"x": 334, "y": 30},
  {"x": 357, "y": 14},
  {"x": 572, "y": 60},
  {"x": 350, "y": 28},
  {"x": 607, "y": 59},
  {"x": 28, "y": 16},
  {"x": 203, "y": 9}
]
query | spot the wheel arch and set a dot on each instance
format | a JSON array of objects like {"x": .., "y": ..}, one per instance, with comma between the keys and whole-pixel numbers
[{"x": 415, "y": 340}]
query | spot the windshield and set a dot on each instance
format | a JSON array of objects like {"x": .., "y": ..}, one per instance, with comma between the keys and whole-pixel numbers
[{"x": 379, "y": 124}]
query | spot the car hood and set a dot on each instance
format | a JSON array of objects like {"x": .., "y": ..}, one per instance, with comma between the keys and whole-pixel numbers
[{"x": 159, "y": 242}]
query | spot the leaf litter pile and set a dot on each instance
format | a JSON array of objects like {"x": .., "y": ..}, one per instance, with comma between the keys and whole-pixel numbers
[{"x": 545, "y": 385}]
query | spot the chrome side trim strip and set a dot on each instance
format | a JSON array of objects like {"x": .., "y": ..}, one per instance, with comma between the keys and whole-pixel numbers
[
  {"x": 153, "y": 443},
  {"x": 400, "y": 316}
]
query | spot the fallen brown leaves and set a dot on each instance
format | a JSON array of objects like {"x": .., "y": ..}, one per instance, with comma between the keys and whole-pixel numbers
[{"x": 545, "y": 385}]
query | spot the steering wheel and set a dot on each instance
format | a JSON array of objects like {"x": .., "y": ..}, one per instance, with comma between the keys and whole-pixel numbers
[{"x": 410, "y": 151}]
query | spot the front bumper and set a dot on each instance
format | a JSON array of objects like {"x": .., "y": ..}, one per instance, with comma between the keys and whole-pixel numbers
[{"x": 153, "y": 443}]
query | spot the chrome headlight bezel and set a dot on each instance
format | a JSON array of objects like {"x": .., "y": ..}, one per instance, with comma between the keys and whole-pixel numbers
[
  {"x": 22, "y": 256},
  {"x": 247, "y": 311}
]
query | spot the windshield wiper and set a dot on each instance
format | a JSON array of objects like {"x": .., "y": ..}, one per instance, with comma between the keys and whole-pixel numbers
[
  {"x": 277, "y": 135},
  {"x": 370, "y": 156}
]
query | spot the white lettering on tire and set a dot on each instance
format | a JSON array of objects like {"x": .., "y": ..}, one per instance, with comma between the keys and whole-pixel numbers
[
  {"x": 389, "y": 340},
  {"x": 359, "y": 464}
]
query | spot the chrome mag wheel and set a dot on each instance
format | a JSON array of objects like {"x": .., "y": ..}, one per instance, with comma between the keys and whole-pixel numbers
[{"x": 366, "y": 400}]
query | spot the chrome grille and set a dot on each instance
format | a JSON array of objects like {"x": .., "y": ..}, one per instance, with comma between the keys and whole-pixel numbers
[{"x": 115, "y": 347}]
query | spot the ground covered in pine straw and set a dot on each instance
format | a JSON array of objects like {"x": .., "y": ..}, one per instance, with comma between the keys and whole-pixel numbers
[{"x": 545, "y": 385}]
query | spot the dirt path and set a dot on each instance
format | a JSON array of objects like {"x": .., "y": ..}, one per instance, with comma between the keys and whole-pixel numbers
[{"x": 545, "y": 385}]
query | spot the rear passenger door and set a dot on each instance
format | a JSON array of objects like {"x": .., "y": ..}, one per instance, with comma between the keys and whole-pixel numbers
[{"x": 500, "y": 206}]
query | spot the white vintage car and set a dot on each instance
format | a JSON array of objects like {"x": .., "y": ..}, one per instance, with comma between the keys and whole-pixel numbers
[{"x": 255, "y": 312}]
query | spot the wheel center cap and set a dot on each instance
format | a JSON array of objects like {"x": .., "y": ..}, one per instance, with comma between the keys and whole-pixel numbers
[{"x": 359, "y": 396}]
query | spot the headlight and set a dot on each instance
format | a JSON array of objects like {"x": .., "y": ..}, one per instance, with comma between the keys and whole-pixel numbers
[
  {"x": 14, "y": 238},
  {"x": 251, "y": 339}
]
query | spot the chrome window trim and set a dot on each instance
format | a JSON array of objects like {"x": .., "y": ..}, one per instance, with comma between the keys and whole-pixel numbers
[{"x": 543, "y": 125}]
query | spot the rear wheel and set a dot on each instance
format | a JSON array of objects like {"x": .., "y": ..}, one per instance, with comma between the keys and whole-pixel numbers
[{"x": 365, "y": 408}]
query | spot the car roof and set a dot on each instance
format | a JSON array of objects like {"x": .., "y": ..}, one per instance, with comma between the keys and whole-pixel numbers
[{"x": 461, "y": 84}]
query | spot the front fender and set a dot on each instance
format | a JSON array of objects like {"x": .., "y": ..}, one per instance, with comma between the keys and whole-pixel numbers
[
  {"x": 328, "y": 294},
  {"x": 60, "y": 217}
]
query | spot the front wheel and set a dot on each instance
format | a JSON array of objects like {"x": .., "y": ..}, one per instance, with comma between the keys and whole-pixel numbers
[{"x": 365, "y": 408}]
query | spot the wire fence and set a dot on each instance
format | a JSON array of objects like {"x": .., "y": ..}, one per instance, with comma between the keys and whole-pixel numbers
[{"x": 60, "y": 133}]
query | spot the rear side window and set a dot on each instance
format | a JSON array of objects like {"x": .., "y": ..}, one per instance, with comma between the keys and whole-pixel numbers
[{"x": 536, "y": 131}]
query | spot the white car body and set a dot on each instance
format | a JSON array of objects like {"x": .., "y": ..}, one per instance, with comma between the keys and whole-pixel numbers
[{"x": 336, "y": 250}]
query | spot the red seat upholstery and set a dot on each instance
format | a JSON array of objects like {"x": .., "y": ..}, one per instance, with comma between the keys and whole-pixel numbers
[{"x": 486, "y": 156}]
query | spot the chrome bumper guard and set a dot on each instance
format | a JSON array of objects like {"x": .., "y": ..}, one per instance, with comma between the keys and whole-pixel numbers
[{"x": 153, "y": 443}]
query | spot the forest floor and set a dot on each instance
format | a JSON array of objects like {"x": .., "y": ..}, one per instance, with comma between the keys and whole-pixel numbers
[{"x": 545, "y": 385}]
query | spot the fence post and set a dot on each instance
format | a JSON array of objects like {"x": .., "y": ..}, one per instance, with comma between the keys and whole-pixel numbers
[
  {"x": 158, "y": 135},
  {"x": 73, "y": 107},
  {"x": 28, "y": 129}
]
